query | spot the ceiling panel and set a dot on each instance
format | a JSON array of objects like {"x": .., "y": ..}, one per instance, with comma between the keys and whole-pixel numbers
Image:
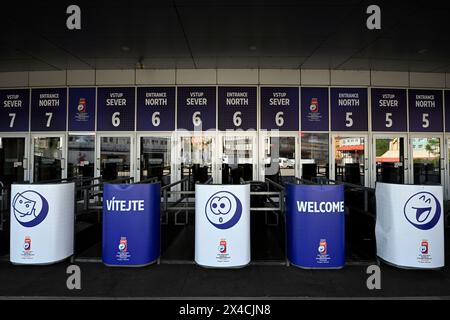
[{"x": 226, "y": 34}]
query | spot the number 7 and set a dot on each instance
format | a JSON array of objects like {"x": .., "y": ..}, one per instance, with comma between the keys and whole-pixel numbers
[
  {"x": 13, "y": 118},
  {"x": 49, "y": 119}
]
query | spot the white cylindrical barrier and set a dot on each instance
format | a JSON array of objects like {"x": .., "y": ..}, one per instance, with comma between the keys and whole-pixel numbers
[
  {"x": 42, "y": 223},
  {"x": 222, "y": 225},
  {"x": 410, "y": 225}
]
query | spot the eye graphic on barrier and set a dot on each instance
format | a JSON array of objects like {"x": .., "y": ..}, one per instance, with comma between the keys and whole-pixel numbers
[
  {"x": 30, "y": 208},
  {"x": 220, "y": 205},
  {"x": 223, "y": 210},
  {"x": 423, "y": 210}
]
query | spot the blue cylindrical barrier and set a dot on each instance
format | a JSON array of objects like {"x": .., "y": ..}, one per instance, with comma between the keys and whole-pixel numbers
[
  {"x": 131, "y": 224},
  {"x": 315, "y": 225}
]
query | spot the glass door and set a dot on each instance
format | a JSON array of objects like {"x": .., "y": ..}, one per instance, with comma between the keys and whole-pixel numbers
[
  {"x": 349, "y": 158},
  {"x": 114, "y": 156},
  {"x": 81, "y": 156},
  {"x": 238, "y": 157},
  {"x": 13, "y": 159},
  {"x": 427, "y": 159},
  {"x": 196, "y": 158},
  {"x": 154, "y": 158},
  {"x": 279, "y": 158},
  {"x": 390, "y": 160},
  {"x": 314, "y": 155},
  {"x": 48, "y": 158}
]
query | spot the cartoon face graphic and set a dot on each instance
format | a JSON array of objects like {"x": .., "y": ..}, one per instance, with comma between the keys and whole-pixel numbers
[
  {"x": 423, "y": 210},
  {"x": 223, "y": 209},
  {"x": 30, "y": 208},
  {"x": 24, "y": 206}
]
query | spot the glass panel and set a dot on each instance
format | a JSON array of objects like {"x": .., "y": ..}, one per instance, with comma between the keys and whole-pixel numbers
[
  {"x": 390, "y": 160},
  {"x": 426, "y": 160},
  {"x": 47, "y": 158},
  {"x": 81, "y": 156},
  {"x": 196, "y": 158},
  {"x": 155, "y": 159},
  {"x": 12, "y": 152},
  {"x": 115, "y": 157},
  {"x": 237, "y": 159},
  {"x": 314, "y": 155},
  {"x": 349, "y": 159},
  {"x": 279, "y": 159}
]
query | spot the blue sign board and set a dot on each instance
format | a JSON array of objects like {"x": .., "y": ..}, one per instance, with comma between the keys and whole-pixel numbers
[
  {"x": 115, "y": 109},
  {"x": 156, "y": 109},
  {"x": 82, "y": 109},
  {"x": 314, "y": 109},
  {"x": 131, "y": 224},
  {"x": 280, "y": 108},
  {"x": 49, "y": 109},
  {"x": 14, "y": 110},
  {"x": 349, "y": 109},
  {"x": 388, "y": 110},
  {"x": 425, "y": 110},
  {"x": 196, "y": 108},
  {"x": 315, "y": 225},
  {"x": 237, "y": 108}
]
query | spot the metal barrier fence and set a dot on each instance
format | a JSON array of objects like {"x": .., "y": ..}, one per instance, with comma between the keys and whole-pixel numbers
[
  {"x": 177, "y": 198},
  {"x": 3, "y": 205}
]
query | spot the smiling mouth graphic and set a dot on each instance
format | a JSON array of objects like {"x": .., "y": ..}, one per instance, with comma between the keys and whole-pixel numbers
[{"x": 420, "y": 212}]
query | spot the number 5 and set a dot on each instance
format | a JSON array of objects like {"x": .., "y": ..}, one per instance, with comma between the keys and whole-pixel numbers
[
  {"x": 388, "y": 120},
  {"x": 425, "y": 121},
  {"x": 348, "y": 119}
]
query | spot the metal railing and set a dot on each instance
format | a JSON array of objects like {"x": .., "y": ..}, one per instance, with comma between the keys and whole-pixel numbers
[
  {"x": 181, "y": 200},
  {"x": 93, "y": 191},
  {"x": 3, "y": 205}
]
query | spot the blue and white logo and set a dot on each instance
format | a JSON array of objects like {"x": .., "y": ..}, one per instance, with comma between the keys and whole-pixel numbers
[
  {"x": 423, "y": 210},
  {"x": 223, "y": 210},
  {"x": 30, "y": 208}
]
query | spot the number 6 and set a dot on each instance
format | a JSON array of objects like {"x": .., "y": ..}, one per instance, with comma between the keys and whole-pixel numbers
[{"x": 156, "y": 121}]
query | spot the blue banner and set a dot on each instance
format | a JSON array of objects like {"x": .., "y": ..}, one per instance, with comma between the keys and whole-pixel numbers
[
  {"x": 155, "y": 109},
  {"x": 237, "y": 108},
  {"x": 315, "y": 225},
  {"x": 349, "y": 109},
  {"x": 82, "y": 109},
  {"x": 49, "y": 109},
  {"x": 115, "y": 109},
  {"x": 131, "y": 224},
  {"x": 314, "y": 109},
  {"x": 14, "y": 110},
  {"x": 388, "y": 109},
  {"x": 196, "y": 108},
  {"x": 280, "y": 108}
]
